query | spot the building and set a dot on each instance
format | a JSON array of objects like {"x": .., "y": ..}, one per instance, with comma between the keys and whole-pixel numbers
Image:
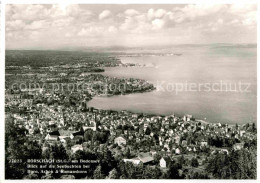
[
  {"x": 52, "y": 136},
  {"x": 177, "y": 139},
  {"x": 224, "y": 151},
  {"x": 242, "y": 132},
  {"x": 77, "y": 133},
  {"x": 66, "y": 133},
  {"x": 145, "y": 157},
  {"x": 238, "y": 146},
  {"x": 165, "y": 161},
  {"x": 120, "y": 141},
  {"x": 187, "y": 117},
  {"x": 89, "y": 127},
  {"x": 184, "y": 143},
  {"x": 92, "y": 127},
  {"x": 135, "y": 161},
  {"x": 77, "y": 147},
  {"x": 204, "y": 143},
  {"x": 177, "y": 151}
]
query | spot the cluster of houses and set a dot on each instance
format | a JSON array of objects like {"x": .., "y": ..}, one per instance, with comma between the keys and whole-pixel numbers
[
  {"x": 55, "y": 124},
  {"x": 169, "y": 136}
]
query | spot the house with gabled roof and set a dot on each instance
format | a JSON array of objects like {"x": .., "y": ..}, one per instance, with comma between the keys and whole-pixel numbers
[
  {"x": 165, "y": 161},
  {"x": 238, "y": 146},
  {"x": 77, "y": 147},
  {"x": 146, "y": 157},
  {"x": 120, "y": 141},
  {"x": 52, "y": 136},
  {"x": 65, "y": 135},
  {"x": 77, "y": 133}
]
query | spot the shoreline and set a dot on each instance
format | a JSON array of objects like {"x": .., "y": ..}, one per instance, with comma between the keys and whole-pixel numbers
[
  {"x": 151, "y": 114},
  {"x": 130, "y": 65}
]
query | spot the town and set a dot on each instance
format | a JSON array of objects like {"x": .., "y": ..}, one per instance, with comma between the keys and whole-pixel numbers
[{"x": 58, "y": 123}]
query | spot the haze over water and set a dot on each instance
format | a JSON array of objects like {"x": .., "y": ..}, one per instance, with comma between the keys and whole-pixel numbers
[{"x": 198, "y": 64}]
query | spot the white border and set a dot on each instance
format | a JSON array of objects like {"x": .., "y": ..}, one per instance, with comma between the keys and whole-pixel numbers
[
  {"x": 2, "y": 90},
  {"x": 2, "y": 71},
  {"x": 129, "y": 2}
]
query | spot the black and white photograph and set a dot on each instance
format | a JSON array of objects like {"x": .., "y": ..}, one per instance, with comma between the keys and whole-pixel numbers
[{"x": 130, "y": 91}]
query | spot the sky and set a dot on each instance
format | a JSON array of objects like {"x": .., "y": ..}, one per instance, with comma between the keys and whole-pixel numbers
[{"x": 67, "y": 26}]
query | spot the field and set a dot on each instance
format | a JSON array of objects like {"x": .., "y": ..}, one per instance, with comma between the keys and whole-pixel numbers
[{"x": 52, "y": 58}]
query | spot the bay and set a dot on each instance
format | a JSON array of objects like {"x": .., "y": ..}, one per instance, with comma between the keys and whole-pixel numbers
[{"x": 197, "y": 65}]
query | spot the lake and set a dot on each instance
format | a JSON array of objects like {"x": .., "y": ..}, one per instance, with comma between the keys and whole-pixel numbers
[{"x": 203, "y": 69}]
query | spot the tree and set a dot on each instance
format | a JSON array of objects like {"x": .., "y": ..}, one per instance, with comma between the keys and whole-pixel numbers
[
  {"x": 157, "y": 158},
  {"x": 31, "y": 176},
  {"x": 121, "y": 167},
  {"x": 85, "y": 155},
  {"x": 194, "y": 162},
  {"x": 147, "y": 131},
  {"x": 236, "y": 165},
  {"x": 181, "y": 160},
  {"x": 128, "y": 153},
  {"x": 113, "y": 174},
  {"x": 139, "y": 170},
  {"x": 98, "y": 173},
  {"x": 196, "y": 175},
  {"x": 150, "y": 173},
  {"x": 47, "y": 175},
  {"x": 18, "y": 147},
  {"x": 94, "y": 137},
  {"x": 130, "y": 170},
  {"x": 107, "y": 161},
  {"x": 88, "y": 135},
  {"x": 57, "y": 151},
  {"x": 69, "y": 177},
  {"x": 173, "y": 171},
  {"x": 253, "y": 127}
]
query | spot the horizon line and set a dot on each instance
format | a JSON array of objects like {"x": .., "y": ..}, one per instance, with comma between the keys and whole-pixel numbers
[{"x": 74, "y": 48}]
